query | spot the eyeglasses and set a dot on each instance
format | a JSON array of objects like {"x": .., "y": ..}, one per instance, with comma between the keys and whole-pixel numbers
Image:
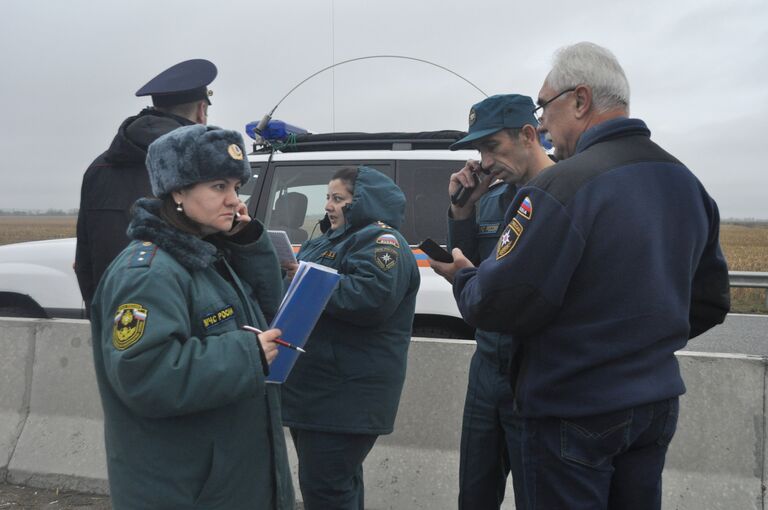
[{"x": 538, "y": 112}]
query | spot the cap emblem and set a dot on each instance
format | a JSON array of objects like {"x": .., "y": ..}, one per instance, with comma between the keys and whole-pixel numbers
[
  {"x": 472, "y": 117},
  {"x": 235, "y": 152}
]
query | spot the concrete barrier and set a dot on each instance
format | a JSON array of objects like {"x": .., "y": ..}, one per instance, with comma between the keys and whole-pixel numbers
[
  {"x": 51, "y": 423},
  {"x": 717, "y": 457},
  {"x": 17, "y": 345},
  {"x": 61, "y": 444}
]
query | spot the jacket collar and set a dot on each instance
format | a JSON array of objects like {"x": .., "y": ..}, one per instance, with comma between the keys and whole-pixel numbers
[
  {"x": 146, "y": 225},
  {"x": 614, "y": 128}
]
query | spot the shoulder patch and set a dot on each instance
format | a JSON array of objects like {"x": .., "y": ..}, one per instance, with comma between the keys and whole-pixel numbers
[
  {"x": 386, "y": 257},
  {"x": 143, "y": 254},
  {"x": 383, "y": 225},
  {"x": 526, "y": 208},
  {"x": 218, "y": 316},
  {"x": 128, "y": 326},
  {"x": 388, "y": 240},
  {"x": 509, "y": 238}
]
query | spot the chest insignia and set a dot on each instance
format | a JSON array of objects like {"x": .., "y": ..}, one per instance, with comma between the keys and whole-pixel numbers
[
  {"x": 128, "y": 326},
  {"x": 489, "y": 228},
  {"x": 328, "y": 254},
  {"x": 388, "y": 240},
  {"x": 526, "y": 208},
  {"x": 386, "y": 257},
  {"x": 509, "y": 238},
  {"x": 218, "y": 317}
]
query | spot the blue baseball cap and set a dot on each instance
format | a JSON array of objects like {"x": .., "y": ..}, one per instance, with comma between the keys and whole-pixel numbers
[
  {"x": 184, "y": 82},
  {"x": 495, "y": 113}
]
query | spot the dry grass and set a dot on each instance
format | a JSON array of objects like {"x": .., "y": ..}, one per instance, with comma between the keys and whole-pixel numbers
[
  {"x": 745, "y": 247},
  {"x": 17, "y": 229}
]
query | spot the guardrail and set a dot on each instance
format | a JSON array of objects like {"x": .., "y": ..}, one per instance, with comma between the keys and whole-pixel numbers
[{"x": 751, "y": 279}]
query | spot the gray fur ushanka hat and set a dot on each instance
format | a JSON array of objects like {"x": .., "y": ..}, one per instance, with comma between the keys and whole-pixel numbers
[{"x": 193, "y": 154}]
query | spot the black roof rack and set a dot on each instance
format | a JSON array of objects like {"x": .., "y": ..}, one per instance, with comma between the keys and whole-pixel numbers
[{"x": 367, "y": 141}]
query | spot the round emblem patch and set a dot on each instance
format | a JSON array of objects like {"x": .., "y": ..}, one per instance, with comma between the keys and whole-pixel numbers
[
  {"x": 472, "y": 116},
  {"x": 386, "y": 257},
  {"x": 235, "y": 152},
  {"x": 128, "y": 325}
]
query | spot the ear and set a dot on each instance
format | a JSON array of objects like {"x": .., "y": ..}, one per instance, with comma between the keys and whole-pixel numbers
[
  {"x": 583, "y": 95},
  {"x": 529, "y": 133},
  {"x": 201, "y": 113},
  {"x": 178, "y": 196}
]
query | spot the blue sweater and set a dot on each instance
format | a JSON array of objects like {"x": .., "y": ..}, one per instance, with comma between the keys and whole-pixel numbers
[{"x": 609, "y": 263}]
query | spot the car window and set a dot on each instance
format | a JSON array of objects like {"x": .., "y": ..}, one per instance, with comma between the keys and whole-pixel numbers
[
  {"x": 297, "y": 196},
  {"x": 425, "y": 184},
  {"x": 250, "y": 188}
]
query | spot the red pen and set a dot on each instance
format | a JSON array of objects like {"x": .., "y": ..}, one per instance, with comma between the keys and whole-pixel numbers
[{"x": 278, "y": 341}]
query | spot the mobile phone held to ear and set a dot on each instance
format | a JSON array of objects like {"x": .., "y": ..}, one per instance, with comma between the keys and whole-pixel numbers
[
  {"x": 235, "y": 221},
  {"x": 460, "y": 197},
  {"x": 435, "y": 251}
]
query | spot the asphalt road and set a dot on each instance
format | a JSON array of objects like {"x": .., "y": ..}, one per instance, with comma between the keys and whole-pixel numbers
[{"x": 739, "y": 334}]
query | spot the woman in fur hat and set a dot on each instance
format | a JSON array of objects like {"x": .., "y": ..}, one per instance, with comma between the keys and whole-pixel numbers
[{"x": 189, "y": 420}]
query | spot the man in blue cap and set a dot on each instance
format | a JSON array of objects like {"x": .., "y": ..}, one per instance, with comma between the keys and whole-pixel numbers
[
  {"x": 504, "y": 130},
  {"x": 118, "y": 177}
]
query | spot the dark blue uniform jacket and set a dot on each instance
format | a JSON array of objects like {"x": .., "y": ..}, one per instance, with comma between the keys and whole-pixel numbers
[
  {"x": 609, "y": 263},
  {"x": 477, "y": 237}
]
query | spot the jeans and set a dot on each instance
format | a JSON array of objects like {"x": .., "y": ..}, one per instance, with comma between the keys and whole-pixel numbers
[
  {"x": 489, "y": 431},
  {"x": 611, "y": 461}
]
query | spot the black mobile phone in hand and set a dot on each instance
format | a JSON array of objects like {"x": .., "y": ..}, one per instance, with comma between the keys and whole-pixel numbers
[
  {"x": 461, "y": 195},
  {"x": 235, "y": 221},
  {"x": 435, "y": 251}
]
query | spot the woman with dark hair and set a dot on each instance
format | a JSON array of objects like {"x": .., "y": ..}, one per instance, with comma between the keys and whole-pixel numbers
[
  {"x": 344, "y": 392},
  {"x": 189, "y": 420}
]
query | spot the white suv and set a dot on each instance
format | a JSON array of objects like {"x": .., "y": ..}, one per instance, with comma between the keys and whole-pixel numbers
[{"x": 287, "y": 193}]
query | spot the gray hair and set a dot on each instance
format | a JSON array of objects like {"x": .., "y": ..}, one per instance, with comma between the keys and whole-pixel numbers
[{"x": 586, "y": 63}]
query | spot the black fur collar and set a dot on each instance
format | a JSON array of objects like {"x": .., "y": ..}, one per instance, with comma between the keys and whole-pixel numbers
[{"x": 146, "y": 225}]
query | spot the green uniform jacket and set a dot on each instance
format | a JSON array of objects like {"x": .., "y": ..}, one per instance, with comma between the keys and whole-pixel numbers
[
  {"x": 351, "y": 377},
  {"x": 189, "y": 421}
]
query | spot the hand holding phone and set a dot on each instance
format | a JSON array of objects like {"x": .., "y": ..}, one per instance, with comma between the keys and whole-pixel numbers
[
  {"x": 435, "y": 251},
  {"x": 461, "y": 195}
]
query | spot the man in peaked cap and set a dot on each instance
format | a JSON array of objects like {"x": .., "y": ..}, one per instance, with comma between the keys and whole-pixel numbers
[
  {"x": 118, "y": 177},
  {"x": 504, "y": 130}
]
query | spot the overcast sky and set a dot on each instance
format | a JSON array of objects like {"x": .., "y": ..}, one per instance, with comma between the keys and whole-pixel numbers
[{"x": 69, "y": 70}]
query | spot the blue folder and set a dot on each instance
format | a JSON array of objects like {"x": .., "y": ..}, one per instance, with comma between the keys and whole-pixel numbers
[{"x": 304, "y": 301}]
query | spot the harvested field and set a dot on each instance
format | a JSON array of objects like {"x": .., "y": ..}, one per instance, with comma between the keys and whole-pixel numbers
[{"x": 17, "y": 229}]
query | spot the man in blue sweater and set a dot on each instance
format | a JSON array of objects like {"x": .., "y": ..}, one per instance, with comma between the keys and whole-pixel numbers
[{"x": 610, "y": 261}]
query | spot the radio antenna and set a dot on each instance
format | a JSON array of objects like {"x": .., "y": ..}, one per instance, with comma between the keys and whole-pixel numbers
[{"x": 265, "y": 120}]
